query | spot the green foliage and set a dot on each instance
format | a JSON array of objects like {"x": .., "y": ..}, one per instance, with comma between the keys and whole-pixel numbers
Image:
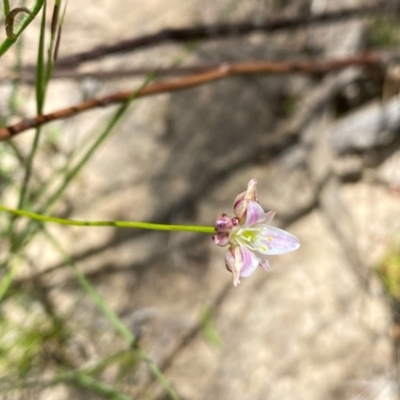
[
  {"x": 209, "y": 332},
  {"x": 288, "y": 105},
  {"x": 24, "y": 339},
  {"x": 389, "y": 273},
  {"x": 383, "y": 32}
]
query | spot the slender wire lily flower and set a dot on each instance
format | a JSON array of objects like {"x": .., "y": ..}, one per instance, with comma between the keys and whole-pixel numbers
[{"x": 249, "y": 236}]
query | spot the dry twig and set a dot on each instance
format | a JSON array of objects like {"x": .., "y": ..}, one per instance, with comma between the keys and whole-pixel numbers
[
  {"x": 217, "y": 31},
  {"x": 210, "y": 75}
]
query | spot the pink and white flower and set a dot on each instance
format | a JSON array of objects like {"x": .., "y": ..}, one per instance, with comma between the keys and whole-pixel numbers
[{"x": 249, "y": 236}]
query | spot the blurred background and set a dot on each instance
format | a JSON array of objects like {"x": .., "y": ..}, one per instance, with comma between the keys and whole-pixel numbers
[{"x": 322, "y": 142}]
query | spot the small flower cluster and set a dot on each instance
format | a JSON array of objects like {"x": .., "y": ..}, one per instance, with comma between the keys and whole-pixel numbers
[{"x": 249, "y": 236}]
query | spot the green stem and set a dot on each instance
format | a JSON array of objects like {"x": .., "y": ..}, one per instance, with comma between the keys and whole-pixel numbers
[
  {"x": 40, "y": 74},
  {"x": 8, "y": 277},
  {"x": 7, "y": 43},
  {"x": 103, "y": 136},
  {"x": 91, "y": 291},
  {"x": 6, "y": 7},
  {"x": 40, "y": 97},
  {"x": 118, "y": 224},
  {"x": 12, "y": 101},
  {"x": 113, "y": 318},
  {"x": 80, "y": 379}
]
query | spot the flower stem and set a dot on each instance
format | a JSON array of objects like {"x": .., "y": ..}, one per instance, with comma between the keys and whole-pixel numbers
[{"x": 118, "y": 224}]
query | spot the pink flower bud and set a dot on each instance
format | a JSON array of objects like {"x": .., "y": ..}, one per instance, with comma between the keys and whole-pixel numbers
[
  {"x": 242, "y": 200},
  {"x": 223, "y": 224}
]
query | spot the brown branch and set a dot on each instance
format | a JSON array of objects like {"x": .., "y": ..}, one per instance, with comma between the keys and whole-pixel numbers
[
  {"x": 217, "y": 31},
  {"x": 223, "y": 71},
  {"x": 28, "y": 77}
]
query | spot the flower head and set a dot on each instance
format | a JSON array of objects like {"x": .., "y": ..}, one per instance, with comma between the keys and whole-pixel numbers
[{"x": 249, "y": 236}]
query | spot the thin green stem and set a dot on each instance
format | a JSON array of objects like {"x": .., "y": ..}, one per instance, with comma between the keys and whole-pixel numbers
[
  {"x": 7, "y": 43},
  {"x": 6, "y": 7},
  {"x": 91, "y": 291},
  {"x": 158, "y": 374},
  {"x": 40, "y": 66},
  {"x": 75, "y": 170},
  {"x": 40, "y": 96},
  {"x": 114, "y": 358},
  {"x": 80, "y": 379},
  {"x": 113, "y": 317},
  {"x": 8, "y": 276},
  {"x": 117, "y": 224},
  {"x": 12, "y": 101}
]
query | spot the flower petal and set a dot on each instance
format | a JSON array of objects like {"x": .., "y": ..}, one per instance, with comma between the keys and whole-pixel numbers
[
  {"x": 249, "y": 262},
  {"x": 255, "y": 214},
  {"x": 241, "y": 262},
  {"x": 242, "y": 200},
  {"x": 271, "y": 240},
  {"x": 233, "y": 263}
]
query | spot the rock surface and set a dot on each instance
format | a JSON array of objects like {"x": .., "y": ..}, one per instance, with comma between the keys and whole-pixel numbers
[{"x": 310, "y": 328}]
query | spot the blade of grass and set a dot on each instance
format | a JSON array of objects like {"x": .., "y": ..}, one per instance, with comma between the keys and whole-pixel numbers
[
  {"x": 91, "y": 291},
  {"x": 80, "y": 379},
  {"x": 112, "y": 316},
  {"x": 40, "y": 85},
  {"x": 58, "y": 38},
  {"x": 75, "y": 378},
  {"x": 53, "y": 37},
  {"x": 100, "y": 303},
  {"x": 101, "y": 365},
  {"x": 40, "y": 96},
  {"x": 8, "y": 276},
  {"x": 102, "y": 137},
  {"x": 43, "y": 75},
  {"x": 12, "y": 101}
]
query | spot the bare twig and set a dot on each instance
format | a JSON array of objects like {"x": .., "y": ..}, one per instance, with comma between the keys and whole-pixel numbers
[
  {"x": 29, "y": 78},
  {"x": 371, "y": 59},
  {"x": 221, "y": 72},
  {"x": 217, "y": 31}
]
